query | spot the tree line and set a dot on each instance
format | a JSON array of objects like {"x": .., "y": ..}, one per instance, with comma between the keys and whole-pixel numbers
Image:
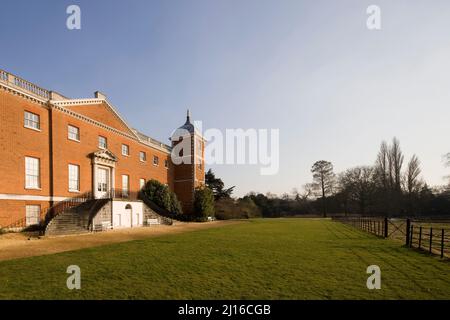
[{"x": 392, "y": 186}]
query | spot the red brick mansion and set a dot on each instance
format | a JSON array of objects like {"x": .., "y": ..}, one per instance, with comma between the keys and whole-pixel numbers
[{"x": 54, "y": 149}]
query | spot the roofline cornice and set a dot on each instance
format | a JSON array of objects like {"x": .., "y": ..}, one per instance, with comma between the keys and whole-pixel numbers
[
  {"x": 8, "y": 85},
  {"x": 104, "y": 126}
]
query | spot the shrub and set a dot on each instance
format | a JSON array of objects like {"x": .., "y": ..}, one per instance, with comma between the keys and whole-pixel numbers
[
  {"x": 226, "y": 209},
  {"x": 203, "y": 203},
  {"x": 162, "y": 196},
  {"x": 175, "y": 205},
  {"x": 248, "y": 208},
  {"x": 240, "y": 209}
]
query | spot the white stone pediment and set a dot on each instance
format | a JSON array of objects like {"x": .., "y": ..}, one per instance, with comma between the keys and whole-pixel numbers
[{"x": 104, "y": 157}]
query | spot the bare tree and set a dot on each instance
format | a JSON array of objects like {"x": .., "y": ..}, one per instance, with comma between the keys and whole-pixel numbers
[
  {"x": 395, "y": 161},
  {"x": 382, "y": 165},
  {"x": 447, "y": 163},
  {"x": 358, "y": 183},
  {"x": 413, "y": 184},
  {"x": 388, "y": 175},
  {"x": 447, "y": 159},
  {"x": 324, "y": 178},
  {"x": 308, "y": 191}
]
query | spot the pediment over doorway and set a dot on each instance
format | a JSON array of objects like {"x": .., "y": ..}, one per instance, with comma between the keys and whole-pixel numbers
[{"x": 104, "y": 157}]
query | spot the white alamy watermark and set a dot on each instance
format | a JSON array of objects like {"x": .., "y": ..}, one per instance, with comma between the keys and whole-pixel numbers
[
  {"x": 74, "y": 280},
  {"x": 374, "y": 280},
  {"x": 374, "y": 17},
  {"x": 73, "y": 21},
  {"x": 230, "y": 147}
]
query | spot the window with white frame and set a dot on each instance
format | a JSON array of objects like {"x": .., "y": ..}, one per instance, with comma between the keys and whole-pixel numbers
[
  {"x": 33, "y": 213},
  {"x": 141, "y": 183},
  {"x": 125, "y": 184},
  {"x": 32, "y": 173},
  {"x": 142, "y": 156},
  {"x": 166, "y": 164},
  {"x": 32, "y": 121},
  {"x": 155, "y": 161},
  {"x": 102, "y": 142},
  {"x": 74, "y": 177},
  {"x": 73, "y": 133},
  {"x": 125, "y": 150}
]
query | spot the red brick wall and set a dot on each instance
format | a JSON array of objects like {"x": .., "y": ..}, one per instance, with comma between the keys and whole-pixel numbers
[
  {"x": 71, "y": 152},
  {"x": 102, "y": 113},
  {"x": 13, "y": 211},
  {"x": 16, "y": 142}
]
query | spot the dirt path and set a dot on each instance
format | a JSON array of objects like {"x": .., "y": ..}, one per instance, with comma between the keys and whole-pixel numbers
[{"x": 19, "y": 245}]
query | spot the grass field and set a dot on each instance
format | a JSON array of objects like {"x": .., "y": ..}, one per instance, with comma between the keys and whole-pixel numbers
[{"x": 259, "y": 259}]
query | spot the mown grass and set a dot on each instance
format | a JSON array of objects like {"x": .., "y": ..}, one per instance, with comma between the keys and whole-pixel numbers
[{"x": 259, "y": 259}]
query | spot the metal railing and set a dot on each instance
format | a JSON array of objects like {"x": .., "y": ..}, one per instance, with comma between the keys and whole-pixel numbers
[
  {"x": 434, "y": 240},
  {"x": 64, "y": 205},
  {"x": 378, "y": 226},
  {"x": 67, "y": 204},
  {"x": 122, "y": 194},
  {"x": 431, "y": 235}
]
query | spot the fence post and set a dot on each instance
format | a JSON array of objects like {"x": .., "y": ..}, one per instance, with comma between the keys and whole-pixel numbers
[
  {"x": 442, "y": 243},
  {"x": 420, "y": 236},
  {"x": 431, "y": 238},
  {"x": 386, "y": 227},
  {"x": 408, "y": 230},
  {"x": 411, "y": 236}
]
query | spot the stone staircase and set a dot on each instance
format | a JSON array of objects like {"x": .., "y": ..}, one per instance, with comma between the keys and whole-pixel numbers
[{"x": 75, "y": 220}]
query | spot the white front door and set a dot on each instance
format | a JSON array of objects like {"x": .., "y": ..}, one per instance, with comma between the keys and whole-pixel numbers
[{"x": 102, "y": 182}]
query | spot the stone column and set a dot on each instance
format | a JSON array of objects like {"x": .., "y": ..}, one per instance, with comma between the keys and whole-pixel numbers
[
  {"x": 113, "y": 178},
  {"x": 94, "y": 179}
]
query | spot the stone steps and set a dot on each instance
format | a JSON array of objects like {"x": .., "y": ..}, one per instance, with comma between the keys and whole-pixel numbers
[{"x": 75, "y": 220}]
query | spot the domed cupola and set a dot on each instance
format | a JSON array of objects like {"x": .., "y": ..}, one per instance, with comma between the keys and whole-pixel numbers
[{"x": 186, "y": 128}]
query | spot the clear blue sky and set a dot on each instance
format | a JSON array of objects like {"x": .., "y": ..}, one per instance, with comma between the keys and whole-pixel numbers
[{"x": 310, "y": 68}]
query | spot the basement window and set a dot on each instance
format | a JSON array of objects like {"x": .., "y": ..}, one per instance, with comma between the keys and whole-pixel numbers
[{"x": 33, "y": 213}]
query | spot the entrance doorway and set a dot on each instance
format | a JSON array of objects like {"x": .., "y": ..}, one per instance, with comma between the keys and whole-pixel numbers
[{"x": 103, "y": 182}]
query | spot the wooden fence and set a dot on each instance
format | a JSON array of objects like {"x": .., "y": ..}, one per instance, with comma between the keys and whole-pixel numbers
[{"x": 431, "y": 235}]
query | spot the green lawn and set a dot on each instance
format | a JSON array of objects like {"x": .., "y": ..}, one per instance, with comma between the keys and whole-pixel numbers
[{"x": 259, "y": 259}]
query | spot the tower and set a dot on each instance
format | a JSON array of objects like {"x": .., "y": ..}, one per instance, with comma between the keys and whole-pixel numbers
[{"x": 188, "y": 149}]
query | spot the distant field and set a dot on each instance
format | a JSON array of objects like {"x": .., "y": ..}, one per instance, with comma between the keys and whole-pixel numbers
[{"x": 259, "y": 259}]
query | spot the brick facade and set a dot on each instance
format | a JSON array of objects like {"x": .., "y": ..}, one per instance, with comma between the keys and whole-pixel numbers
[{"x": 55, "y": 151}]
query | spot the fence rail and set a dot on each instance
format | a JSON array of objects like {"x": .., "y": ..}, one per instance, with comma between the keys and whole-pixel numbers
[
  {"x": 67, "y": 204},
  {"x": 375, "y": 225},
  {"x": 431, "y": 235},
  {"x": 59, "y": 207},
  {"x": 434, "y": 240}
]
